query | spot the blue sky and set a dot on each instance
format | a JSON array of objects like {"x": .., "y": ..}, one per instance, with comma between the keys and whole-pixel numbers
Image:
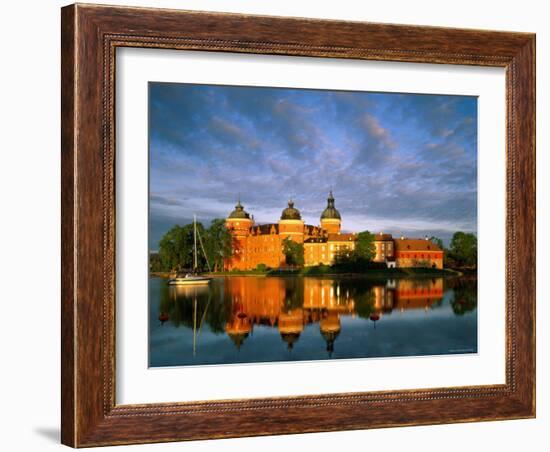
[{"x": 398, "y": 163}]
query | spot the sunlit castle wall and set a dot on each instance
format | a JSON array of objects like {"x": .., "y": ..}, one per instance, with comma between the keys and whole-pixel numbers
[
  {"x": 293, "y": 229},
  {"x": 263, "y": 246},
  {"x": 331, "y": 225},
  {"x": 316, "y": 252},
  {"x": 383, "y": 246}
]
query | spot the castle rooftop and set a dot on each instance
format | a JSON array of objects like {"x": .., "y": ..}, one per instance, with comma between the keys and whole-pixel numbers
[{"x": 291, "y": 213}]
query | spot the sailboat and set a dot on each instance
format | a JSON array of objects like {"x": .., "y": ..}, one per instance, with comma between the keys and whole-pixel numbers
[{"x": 192, "y": 279}]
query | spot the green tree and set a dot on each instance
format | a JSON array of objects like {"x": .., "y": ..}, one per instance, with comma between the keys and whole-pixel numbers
[
  {"x": 360, "y": 258},
  {"x": 437, "y": 241},
  {"x": 344, "y": 257},
  {"x": 364, "y": 246},
  {"x": 217, "y": 244},
  {"x": 155, "y": 264},
  {"x": 464, "y": 249},
  {"x": 294, "y": 252},
  {"x": 448, "y": 261},
  {"x": 262, "y": 268},
  {"x": 176, "y": 248}
]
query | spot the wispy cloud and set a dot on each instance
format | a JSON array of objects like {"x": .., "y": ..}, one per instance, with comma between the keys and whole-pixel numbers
[{"x": 403, "y": 163}]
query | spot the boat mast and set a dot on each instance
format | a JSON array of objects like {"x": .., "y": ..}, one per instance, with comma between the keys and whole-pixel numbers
[{"x": 195, "y": 244}]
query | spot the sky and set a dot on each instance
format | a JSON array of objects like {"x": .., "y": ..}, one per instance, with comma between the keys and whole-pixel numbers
[{"x": 404, "y": 164}]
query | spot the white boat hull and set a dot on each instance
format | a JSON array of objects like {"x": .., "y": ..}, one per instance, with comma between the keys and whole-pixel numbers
[{"x": 190, "y": 281}]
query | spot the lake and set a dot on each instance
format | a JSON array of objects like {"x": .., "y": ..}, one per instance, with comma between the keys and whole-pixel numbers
[{"x": 249, "y": 319}]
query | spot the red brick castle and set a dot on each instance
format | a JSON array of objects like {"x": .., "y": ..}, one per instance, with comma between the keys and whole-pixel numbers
[{"x": 255, "y": 244}]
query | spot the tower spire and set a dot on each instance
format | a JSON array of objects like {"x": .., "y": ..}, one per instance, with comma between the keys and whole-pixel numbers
[
  {"x": 330, "y": 218},
  {"x": 330, "y": 200}
]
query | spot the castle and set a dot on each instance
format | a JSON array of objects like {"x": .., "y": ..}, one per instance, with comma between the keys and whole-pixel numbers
[{"x": 255, "y": 244}]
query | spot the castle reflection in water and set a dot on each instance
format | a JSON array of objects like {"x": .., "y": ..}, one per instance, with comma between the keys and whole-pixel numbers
[{"x": 235, "y": 306}]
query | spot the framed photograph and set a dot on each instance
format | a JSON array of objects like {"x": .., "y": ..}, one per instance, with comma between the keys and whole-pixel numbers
[{"x": 282, "y": 225}]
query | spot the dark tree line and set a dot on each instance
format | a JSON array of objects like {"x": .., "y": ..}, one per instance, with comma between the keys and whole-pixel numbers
[
  {"x": 176, "y": 247},
  {"x": 462, "y": 251}
]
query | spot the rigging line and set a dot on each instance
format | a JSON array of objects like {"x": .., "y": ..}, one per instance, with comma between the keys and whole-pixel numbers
[
  {"x": 204, "y": 252},
  {"x": 203, "y": 316},
  {"x": 195, "y": 326},
  {"x": 194, "y": 243}
]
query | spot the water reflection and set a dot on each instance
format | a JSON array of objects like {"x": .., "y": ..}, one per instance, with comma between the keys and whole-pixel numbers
[{"x": 235, "y": 307}]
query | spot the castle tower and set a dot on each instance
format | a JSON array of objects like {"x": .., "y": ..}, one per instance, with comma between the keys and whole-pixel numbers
[
  {"x": 238, "y": 223},
  {"x": 330, "y": 218},
  {"x": 291, "y": 224}
]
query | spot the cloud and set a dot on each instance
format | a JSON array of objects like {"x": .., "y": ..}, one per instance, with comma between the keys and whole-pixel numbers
[
  {"x": 408, "y": 162},
  {"x": 377, "y": 131}
]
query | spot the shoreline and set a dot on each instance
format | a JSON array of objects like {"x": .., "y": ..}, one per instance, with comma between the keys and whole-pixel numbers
[{"x": 374, "y": 274}]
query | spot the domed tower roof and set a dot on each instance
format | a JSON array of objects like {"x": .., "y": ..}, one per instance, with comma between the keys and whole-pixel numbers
[
  {"x": 239, "y": 212},
  {"x": 330, "y": 338},
  {"x": 238, "y": 338},
  {"x": 291, "y": 213},
  {"x": 330, "y": 212},
  {"x": 290, "y": 339}
]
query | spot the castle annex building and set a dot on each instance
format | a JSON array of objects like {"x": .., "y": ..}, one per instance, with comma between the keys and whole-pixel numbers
[{"x": 255, "y": 244}]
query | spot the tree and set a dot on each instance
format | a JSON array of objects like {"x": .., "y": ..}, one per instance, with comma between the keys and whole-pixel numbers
[
  {"x": 294, "y": 252},
  {"x": 155, "y": 264},
  {"x": 361, "y": 257},
  {"x": 176, "y": 248},
  {"x": 344, "y": 257},
  {"x": 448, "y": 259},
  {"x": 364, "y": 246},
  {"x": 464, "y": 249},
  {"x": 437, "y": 241},
  {"x": 217, "y": 243}
]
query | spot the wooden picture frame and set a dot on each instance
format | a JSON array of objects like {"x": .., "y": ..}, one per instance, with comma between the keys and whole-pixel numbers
[{"x": 90, "y": 36}]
